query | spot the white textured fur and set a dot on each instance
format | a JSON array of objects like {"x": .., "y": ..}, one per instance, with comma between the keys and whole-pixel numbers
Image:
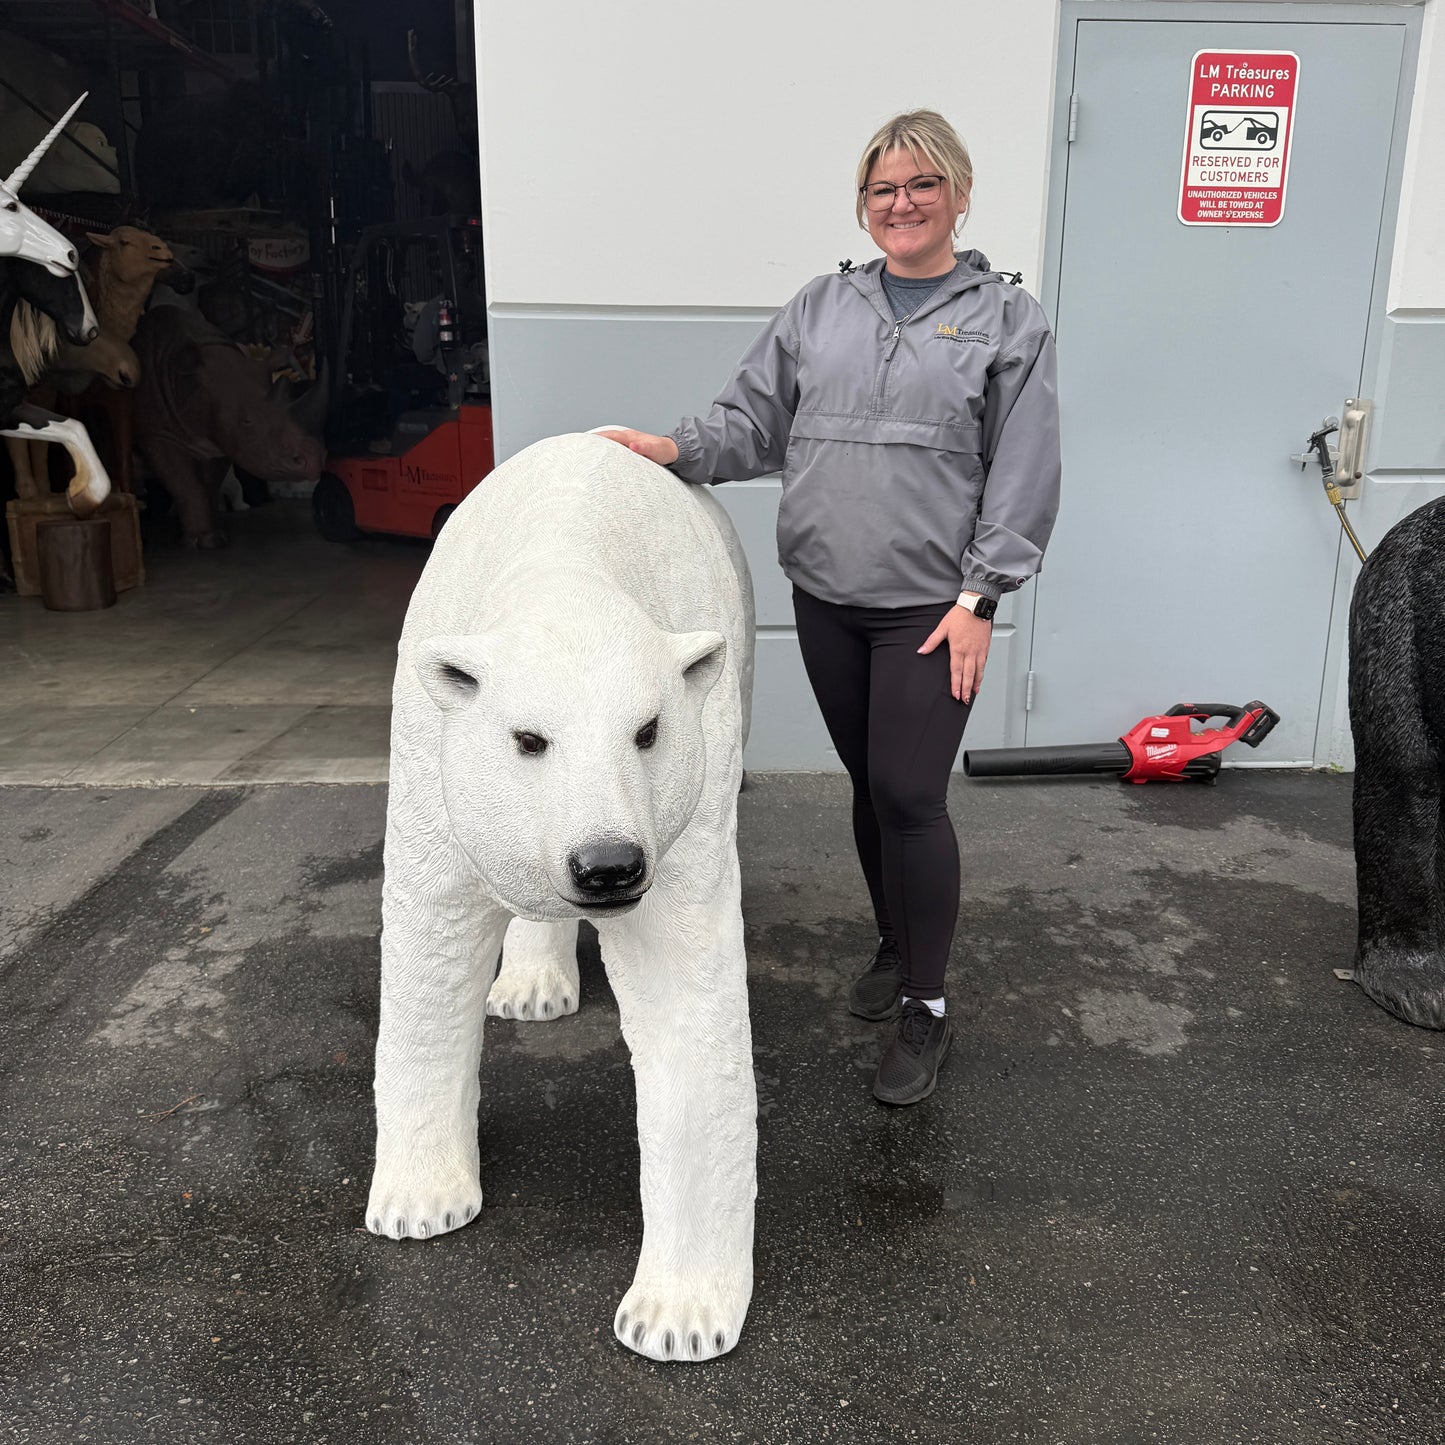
[{"x": 577, "y": 594}]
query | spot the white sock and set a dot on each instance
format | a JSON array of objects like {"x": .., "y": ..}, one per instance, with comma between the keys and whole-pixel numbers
[{"x": 936, "y": 1006}]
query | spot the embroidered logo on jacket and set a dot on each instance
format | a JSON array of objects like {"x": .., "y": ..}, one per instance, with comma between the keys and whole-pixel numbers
[{"x": 957, "y": 333}]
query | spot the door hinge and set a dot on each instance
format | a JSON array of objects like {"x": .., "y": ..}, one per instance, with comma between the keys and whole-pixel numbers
[
  {"x": 1029, "y": 692},
  {"x": 1073, "y": 118}
]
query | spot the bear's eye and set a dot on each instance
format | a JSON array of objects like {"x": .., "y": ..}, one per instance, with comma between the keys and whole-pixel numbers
[
  {"x": 646, "y": 735},
  {"x": 530, "y": 743}
]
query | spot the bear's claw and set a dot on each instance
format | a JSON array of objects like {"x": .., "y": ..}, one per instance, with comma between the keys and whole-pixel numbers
[
  {"x": 422, "y": 1204},
  {"x": 535, "y": 994},
  {"x": 648, "y": 1322}
]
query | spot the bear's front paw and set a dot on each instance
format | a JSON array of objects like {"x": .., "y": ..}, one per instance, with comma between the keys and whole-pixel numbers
[
  {"x": 681, "y": 1320},
  {"x": 420, "y": 1198},
  {"x": 535, "y": 992},
  {"x": 1408, "y": 982}
]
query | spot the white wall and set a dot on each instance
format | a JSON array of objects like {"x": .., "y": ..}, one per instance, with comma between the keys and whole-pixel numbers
[
  {"x": 678, "y": 153},
  {"x": 1417, "y": 276},
  {"x": 668, "y": 152}
]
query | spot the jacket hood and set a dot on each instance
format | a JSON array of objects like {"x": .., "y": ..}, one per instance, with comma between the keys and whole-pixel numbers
[
  {"x": 971, "y": 269},
  {"x": 969, "y": 264},
  {"x": 973, "y": 260}
]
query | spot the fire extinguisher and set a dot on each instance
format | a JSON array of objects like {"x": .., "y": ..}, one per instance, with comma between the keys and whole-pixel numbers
[{"x": 446, "y": 323}]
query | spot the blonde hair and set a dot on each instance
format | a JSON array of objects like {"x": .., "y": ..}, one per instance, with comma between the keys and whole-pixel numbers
[
  {"x": 928, "y": 136},
  {"x": 34, "y": 341}
]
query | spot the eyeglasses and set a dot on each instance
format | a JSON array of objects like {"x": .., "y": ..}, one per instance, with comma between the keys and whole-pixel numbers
[{"x": 922, "y": 191}]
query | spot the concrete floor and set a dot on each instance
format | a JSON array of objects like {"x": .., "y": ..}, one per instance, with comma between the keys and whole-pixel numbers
[
  {"x": 268, "y": 662},
  {"x": 1177, "y": 1184}
]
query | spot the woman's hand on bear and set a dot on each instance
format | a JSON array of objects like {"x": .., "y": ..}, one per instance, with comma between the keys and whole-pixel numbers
[{"x": 662, "y": 450}]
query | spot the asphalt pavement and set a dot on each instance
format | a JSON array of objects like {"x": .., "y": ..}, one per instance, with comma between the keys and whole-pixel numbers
[{"x": 1178, "y": 1183}]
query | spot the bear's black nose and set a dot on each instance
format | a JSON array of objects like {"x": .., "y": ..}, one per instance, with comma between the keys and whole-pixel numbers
[{"x": 607, "y": 867}]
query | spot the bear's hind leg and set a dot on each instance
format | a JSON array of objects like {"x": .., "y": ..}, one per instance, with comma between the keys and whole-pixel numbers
[
  {"x": 680, "y": 976},
  {"x": 539, "y": 972}
]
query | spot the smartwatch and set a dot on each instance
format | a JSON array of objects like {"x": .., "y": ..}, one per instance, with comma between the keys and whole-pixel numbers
[{"x": 981, "y": 607}]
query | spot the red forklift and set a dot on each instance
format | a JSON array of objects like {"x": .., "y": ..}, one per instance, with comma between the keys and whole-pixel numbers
[{"x": 409, "y": 426}]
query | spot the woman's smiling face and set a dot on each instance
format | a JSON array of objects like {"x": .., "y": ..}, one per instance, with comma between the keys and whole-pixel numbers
[{"x": 918, "y": 240}]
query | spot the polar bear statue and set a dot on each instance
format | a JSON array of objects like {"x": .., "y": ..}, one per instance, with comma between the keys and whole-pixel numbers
[{"x": 572, "y": 692}]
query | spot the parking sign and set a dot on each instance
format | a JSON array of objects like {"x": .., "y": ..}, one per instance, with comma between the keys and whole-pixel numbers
[{"x": 1236, "y": 145}]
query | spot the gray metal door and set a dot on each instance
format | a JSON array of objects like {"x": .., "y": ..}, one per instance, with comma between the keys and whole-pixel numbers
[{"x": 1192, "y": 561}]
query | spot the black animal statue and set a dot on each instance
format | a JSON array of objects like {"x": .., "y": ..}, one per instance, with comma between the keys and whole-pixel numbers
[{"x": 1397, "y": 714}]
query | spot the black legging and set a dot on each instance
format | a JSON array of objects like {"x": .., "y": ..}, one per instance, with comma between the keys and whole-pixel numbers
[{"x": 897, "y": 729}]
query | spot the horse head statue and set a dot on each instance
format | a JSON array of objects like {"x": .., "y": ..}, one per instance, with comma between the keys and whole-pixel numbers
[{"x": 22, "y": 232}]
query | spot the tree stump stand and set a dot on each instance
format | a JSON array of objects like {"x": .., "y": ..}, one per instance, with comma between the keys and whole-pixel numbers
[{"x": 75, "y": 568}]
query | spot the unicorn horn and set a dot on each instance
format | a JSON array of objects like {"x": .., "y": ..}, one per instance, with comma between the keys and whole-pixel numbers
[{"x": 21, "y": 173}]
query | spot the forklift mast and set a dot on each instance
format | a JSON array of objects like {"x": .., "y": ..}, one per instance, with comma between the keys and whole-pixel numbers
[{"x": 399, "y": 268}]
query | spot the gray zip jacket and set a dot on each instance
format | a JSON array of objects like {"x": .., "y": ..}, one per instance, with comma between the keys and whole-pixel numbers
[{"x": 919, "y": 458}]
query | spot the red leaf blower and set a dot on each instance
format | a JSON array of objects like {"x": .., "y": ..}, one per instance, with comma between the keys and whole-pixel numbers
[{"x": 1159, "y": 749}]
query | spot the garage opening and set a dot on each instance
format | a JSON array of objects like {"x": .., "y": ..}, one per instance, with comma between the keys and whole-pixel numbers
[{"x": 275, "y": 211}]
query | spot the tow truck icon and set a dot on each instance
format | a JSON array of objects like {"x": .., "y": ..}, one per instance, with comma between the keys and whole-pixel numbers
[{"x": 1235, "y": 128}]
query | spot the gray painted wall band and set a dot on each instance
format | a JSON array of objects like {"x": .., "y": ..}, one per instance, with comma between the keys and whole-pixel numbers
[{"x": 570, "y": 369}]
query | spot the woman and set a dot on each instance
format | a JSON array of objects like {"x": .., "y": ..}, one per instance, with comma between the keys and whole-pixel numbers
[{"x": 911, "y": 407}]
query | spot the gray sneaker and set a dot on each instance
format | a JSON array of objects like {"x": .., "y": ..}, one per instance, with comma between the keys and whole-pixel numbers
[
  {"x": 876, "y": 991},
  {"x": 909, "y": 1068}
]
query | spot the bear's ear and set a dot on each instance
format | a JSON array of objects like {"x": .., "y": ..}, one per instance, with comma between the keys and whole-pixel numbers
[
  {"x": 700, "y": 657},
  {"x": 452, "y": 669}
]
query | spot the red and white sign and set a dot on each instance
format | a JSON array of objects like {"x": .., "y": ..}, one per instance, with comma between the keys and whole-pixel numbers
[
  {"x": 1236, "y": 146},
  {"x": 280, "y": 255}
]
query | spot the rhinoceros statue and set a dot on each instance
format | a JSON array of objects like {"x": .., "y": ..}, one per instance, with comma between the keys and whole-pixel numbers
[{"x": 202, "y": 405}]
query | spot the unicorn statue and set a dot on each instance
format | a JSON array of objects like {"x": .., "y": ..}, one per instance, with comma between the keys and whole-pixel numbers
[{"x": 41, "y": 299}]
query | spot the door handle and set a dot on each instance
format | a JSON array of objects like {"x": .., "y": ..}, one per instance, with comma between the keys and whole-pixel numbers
[
  {"x": 1344, "y": 464},
  {"x": 1329, "y": 457},
  {"x": 1354, "y": 431}
]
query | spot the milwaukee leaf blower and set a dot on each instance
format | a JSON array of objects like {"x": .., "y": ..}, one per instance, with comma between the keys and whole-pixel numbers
[{"x": 1159, "y": 749}]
